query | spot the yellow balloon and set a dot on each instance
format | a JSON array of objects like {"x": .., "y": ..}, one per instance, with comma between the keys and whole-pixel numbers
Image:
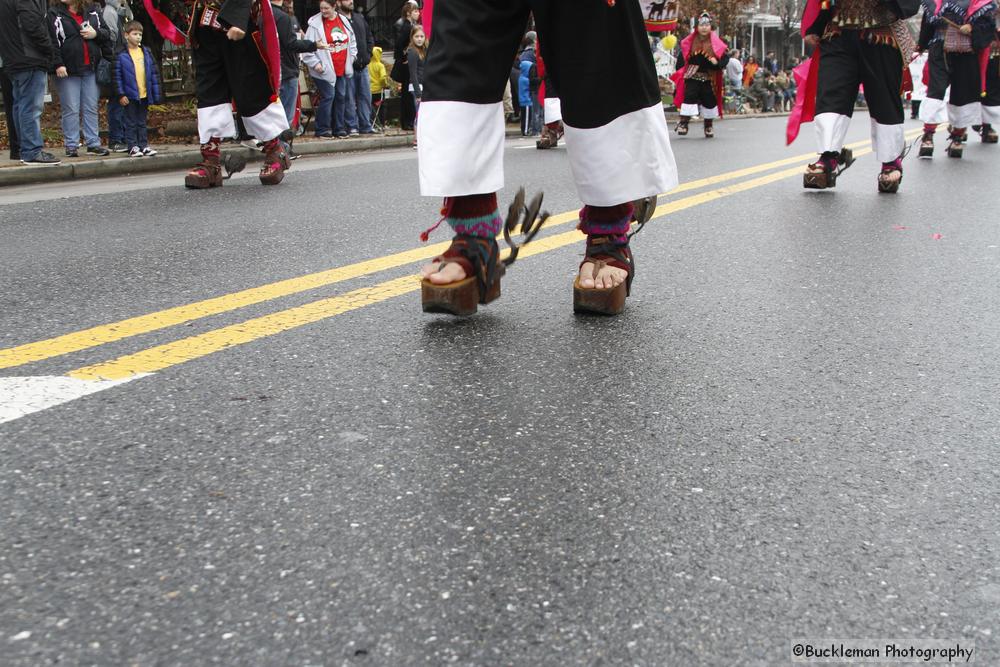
[{"x": 669, "y": 42}]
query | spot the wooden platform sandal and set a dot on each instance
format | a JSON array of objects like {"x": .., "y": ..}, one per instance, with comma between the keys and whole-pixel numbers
[
  {"x": 600, "y": 251},
  {"x": 886, "y": 182},
  {"x": 480, "y": 259},
  {"x": 956, "y": 144},
  {"x": 823, "y": 173},
  {"x": 988, "y": 134},
  {"x": 208, "y": 173},
  {"x": 926, "y": 150}
]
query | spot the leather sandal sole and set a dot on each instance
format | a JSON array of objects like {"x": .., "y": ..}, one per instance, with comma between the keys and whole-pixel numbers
[{"x": 604, "y": 301}]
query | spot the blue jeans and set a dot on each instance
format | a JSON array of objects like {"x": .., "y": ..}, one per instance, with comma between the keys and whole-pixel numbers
[
  {"x": 363, "y": 100},
  {"x": 345, "y": 117},
  {"x": 78, "y": 95},
  {"x": 29, "y": 98},
  {"x": 537, "y": 115},
  {"x": 324, "y": 108},
  {"x": 288, "y": 93},
  {"x": 116, "y": 121},
  {"x": 136, "y": 114}
]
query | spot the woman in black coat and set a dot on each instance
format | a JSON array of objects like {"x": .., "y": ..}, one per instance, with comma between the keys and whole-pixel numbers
[
  {"x": 78, "y": 34},
  {"x": 409, "y": 17}
]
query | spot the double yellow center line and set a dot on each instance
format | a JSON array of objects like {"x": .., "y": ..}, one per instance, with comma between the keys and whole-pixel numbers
[{"x": 186, "y": 349}]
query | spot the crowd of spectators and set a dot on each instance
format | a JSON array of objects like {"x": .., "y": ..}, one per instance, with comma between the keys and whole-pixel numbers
[
  {"x": 95, "y": 51},
  {"x": 760, "y": 87},
  {"x": 92, "y": 52}
]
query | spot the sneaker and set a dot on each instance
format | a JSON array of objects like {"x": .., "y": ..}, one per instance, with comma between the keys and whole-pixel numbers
[
  {"x": 72, "y": 152},
  {"x": 43, "y": 158},
  {"x": 98, "y": 150},
  {"x": 325, "y": 135},
  {"x": 149, "y": 151},
  {"x": 135, "y": 152},
  {"x": 353, "y": 133},
  {"x": 118, "y": 148}
]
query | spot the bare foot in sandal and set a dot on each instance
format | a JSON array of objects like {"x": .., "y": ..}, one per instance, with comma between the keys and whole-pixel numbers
[
  {"x": 451, "y": 272},
  {"x": 606, "y": 278},
  {"x": 891, "y": 177}
]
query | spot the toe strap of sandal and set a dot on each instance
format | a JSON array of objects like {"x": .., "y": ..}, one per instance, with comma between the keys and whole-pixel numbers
[
  {"x": 478, "y": 256},
  {"x": 892, "y": 167},
  {"x": 604, "y": 251}
]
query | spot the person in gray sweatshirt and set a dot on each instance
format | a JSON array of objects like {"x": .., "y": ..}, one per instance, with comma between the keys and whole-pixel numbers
[{"x": 116, "y": 14}]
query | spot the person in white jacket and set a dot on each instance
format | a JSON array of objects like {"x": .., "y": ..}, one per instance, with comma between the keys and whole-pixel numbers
[{"x": 331, "y": 70}]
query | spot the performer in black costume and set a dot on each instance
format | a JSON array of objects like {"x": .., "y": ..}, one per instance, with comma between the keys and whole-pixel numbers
[
  {"x": 237, "y": 62},
  {"x": 954, "y": 34},
  {"x": 859, "y": 42},
  {"x": 615, "y": 133}
]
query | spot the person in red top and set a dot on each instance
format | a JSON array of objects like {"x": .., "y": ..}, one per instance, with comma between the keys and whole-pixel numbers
[
  {"x": 336, "y": 37},
  {"x": 343, "y": 49},
  {"x": 78, "y": 33}
]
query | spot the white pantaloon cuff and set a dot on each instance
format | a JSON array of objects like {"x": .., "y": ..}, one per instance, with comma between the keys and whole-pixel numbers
[
  {"x": 216, "y": 121},
  {"x": 933, "y": 111},
  {"x": 831, "y": 128},
  {"x": 553, "y": 110},
  {"x": 460, "y": 148},
  {"x": 888, "y": 141},
  {"x": 991, "y": 115},
  {"x": 627, "y": 159},
  {"x": 965, "y": 115},
  {"x": 267, "y": 124}
]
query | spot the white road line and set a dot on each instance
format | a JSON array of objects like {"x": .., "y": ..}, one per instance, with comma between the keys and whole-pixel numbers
[{"x": 20, "y": 396}]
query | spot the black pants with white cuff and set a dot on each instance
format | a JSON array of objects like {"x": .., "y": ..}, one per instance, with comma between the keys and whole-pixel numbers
[
  {"x": 846, "y": 62},
  {"x": 615, "y": 130},
  {"x": 228, "y": 72},
  {"x": 960, "y": 71}
]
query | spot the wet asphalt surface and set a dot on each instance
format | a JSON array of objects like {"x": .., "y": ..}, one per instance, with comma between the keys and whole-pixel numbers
[{"x": 792, "y": 431}]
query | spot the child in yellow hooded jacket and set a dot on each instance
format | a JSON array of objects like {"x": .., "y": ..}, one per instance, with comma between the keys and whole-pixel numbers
[{"x": 378, "y": 75}]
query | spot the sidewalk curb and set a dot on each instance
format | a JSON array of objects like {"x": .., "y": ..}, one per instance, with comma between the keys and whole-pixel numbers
[{"x": 125, "y": 166}]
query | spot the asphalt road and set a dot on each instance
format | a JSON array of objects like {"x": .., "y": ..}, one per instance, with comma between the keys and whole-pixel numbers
[{"x": 791, "y": 432}]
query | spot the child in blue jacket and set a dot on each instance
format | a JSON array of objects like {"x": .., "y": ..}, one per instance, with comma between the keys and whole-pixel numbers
[{"x": 137, "y": 84}]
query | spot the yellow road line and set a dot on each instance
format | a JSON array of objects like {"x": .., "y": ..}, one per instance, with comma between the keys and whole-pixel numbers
[
  {"x": 194, "y": 347},
  {"x": 108, "y": 333}
]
